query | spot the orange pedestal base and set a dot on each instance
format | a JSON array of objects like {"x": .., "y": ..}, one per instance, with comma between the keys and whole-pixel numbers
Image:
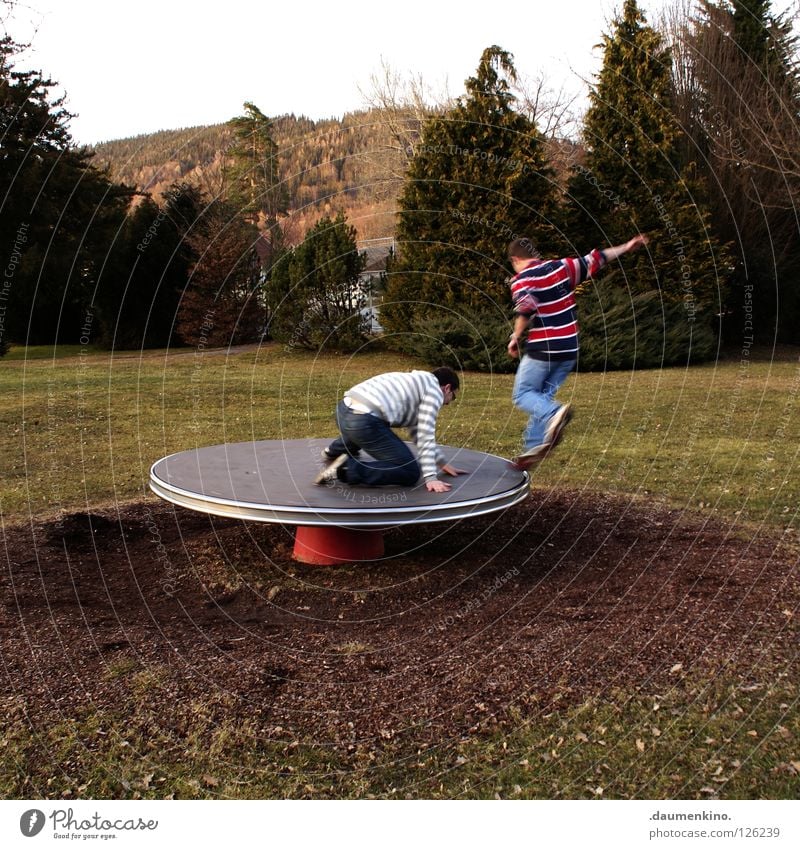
[{"x": 327, "y": 546}]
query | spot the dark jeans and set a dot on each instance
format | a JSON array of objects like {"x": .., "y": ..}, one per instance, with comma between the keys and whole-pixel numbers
[{"x": 393, "y": 462}]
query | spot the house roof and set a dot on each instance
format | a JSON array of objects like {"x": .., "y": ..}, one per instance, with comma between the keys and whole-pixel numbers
[{"x": 376, "y": 256}]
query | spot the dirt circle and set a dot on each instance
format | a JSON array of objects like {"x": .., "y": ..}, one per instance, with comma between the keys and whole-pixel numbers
[{"x": 566, "y": 596}]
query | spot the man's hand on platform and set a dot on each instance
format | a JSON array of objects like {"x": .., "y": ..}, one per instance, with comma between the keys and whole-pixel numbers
[
  {"x": 440, "y": 486},
  {"x": 437, "y": 486}
]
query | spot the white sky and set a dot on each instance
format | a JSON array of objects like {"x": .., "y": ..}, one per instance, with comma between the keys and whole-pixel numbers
[{"x": 136, "y": 67}]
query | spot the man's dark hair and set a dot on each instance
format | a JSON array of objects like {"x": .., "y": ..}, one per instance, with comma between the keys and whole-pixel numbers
[
  {"x": 523, "y": 248},
  {"x": 446, "y": 375}
]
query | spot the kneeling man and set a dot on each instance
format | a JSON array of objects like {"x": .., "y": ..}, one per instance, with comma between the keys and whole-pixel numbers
[{"x": 366, "y": 416}]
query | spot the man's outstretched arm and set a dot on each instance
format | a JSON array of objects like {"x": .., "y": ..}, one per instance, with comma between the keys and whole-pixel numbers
[{"x": 631, "y": 245}]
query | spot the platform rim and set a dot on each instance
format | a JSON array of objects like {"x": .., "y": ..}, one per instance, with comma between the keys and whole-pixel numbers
[{"x": 310, "y": 516}]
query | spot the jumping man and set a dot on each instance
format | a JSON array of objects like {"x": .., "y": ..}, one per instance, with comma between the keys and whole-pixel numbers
[{"x": 546, "y": 335}]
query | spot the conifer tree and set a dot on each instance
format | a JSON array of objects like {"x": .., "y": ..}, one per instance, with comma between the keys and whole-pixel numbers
[
  {"x": 751, "y": 33},
  {"x": 632, "y": 179},
  {"x": 59, "y": 212},
  {"x": 744, "y": 112},
  {"x": 478, "y": 179},
  {"x": 252, "y": 180},
  {"x": 145, "y": 273},
  {"x": 221, "y": 303},
  {"x": 314, "y": 295}
]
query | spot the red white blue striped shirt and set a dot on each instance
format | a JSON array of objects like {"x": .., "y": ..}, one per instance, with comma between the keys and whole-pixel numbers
[{"x": 544, "y": 293}]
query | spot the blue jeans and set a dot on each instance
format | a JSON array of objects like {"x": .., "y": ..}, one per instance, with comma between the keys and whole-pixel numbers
[
  {"x": 535, "y": 386},
  {"x": 393, "y": 462}
]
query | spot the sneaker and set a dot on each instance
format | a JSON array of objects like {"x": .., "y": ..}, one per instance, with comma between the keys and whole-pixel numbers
[
  {"x": 327, "y": 457},
  {"x": 530, "y": 457},
  {"x": 558, "y": 422},
  {"x": 329, "y": 475}
]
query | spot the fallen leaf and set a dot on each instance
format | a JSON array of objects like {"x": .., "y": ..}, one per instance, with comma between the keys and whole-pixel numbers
[{"x": 640, "y": 745}]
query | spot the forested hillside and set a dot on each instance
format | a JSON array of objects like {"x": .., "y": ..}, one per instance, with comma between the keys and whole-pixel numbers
[{"x": 327, "y": 166}]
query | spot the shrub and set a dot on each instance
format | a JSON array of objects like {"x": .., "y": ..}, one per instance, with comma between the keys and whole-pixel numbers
[
  {"x": 470, "y": 341},
  {"x": 314, "y": 295},
  {"x": 621, "y": 331}
]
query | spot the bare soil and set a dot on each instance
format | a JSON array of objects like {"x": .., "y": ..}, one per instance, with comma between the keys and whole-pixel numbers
[{"x": 567, "y": 596}]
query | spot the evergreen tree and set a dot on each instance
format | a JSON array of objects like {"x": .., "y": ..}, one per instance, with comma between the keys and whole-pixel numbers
[
  {"x": 478, "y": 179},
  {"x": 751, "y": 33},
  {"x": 314, "y": 294},
  {"x": 221, "y": 304},
  {"x": 743, "y": 111},
  {"x": 62, "y": 213},
  {"x": 632, "y": 179},
  {"x": 624, "y": 331},
  {"x": 146, "y": 271},
  {"x": 628, "y": 133},
  {"x": 252, "y": 181}
]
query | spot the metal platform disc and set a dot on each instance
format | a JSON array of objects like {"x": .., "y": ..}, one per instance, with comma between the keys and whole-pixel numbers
[{"x": 272, "y": 481}]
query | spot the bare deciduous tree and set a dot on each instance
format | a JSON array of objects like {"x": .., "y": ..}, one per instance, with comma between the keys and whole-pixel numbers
[
  {"x": 399, "y": 105},
  {"x": 748, "y": 115},
  {"x": 405, "y": 104},
  {"x": 402, "y": 104},
  {"x": 553, "y": 110},
  {"x": 555, "y": 113}
]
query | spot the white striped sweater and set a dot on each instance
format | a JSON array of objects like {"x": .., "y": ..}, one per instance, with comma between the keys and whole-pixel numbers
[{"x": 411, "y": 400}]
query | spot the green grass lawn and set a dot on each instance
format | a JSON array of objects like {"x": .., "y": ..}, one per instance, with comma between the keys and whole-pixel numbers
[
  {"x": 83, "y": 428},
  {"x": 80, "y": 429}
]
